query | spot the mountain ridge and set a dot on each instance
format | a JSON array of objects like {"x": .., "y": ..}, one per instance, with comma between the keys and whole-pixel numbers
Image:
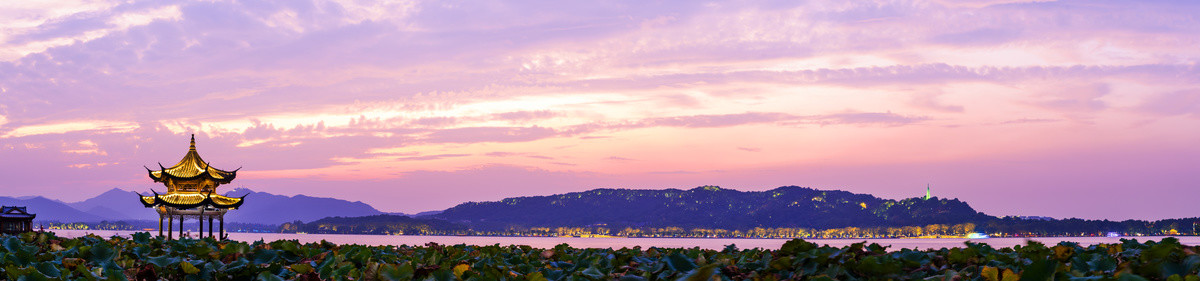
[
  {"x": 104, "y": 205},
  {"x": 300, "y": 207},
  {"x": 50, "y": 210},
  {"x": 121, "y": 205}
]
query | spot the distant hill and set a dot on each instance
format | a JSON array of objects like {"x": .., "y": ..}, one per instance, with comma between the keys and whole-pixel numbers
[
  {"x": 50, "y": 210},
  {"x": 266, "y": 208},
  {"x": 711, "y": 207},
  {"x": 711, "y": 211},
  {"x": 116, "y": 204}
]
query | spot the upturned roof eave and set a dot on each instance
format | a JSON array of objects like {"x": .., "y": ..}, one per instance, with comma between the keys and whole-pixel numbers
[{"x": 191, "y": 166}]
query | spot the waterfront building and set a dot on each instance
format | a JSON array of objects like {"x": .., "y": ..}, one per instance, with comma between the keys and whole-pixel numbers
[
  {"x": 191, "y": 194},
  {"x": 15, "y": 220}
]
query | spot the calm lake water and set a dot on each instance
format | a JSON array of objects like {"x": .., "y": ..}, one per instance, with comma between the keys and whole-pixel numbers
[{"x": 616, "y": 243}]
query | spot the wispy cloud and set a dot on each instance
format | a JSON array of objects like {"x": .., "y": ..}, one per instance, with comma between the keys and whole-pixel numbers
[
  {"x": 1028, "y": 120},
  {"x": 865, "y": 118},
  {"x": 1076, "y": 98},
  {"x": 524, "y": 116},
  {"x": 98, "y": 126},
  {"x": 490, "y": 134},
  {"x": 721, "y": 120},
  {"x": 750, "y": 149},
  {"x": 1184, "y": 102},
  {"x": 931, "y": 101}
]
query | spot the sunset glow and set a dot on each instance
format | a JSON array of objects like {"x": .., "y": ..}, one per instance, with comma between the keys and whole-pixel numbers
[{"x": 1016, "y": 107}]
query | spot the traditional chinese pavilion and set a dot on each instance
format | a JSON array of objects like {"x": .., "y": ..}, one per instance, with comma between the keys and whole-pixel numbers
[
  {"x": 191, "y": 194},
  {"x": 15, "y": 220}
]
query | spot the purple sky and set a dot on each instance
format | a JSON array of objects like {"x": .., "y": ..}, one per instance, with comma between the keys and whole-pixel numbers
[{"x": 1060, "y": 108}]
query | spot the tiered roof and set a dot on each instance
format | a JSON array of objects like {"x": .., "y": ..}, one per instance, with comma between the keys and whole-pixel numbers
[{"x": 191, "y": 168}]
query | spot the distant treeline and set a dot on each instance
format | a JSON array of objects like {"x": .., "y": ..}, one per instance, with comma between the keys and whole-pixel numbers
[
  {"x": 148, "y": 225},
  {"x": 1078, "y": 227},
  {"x": 1001, "y": 227},
  {"x": 377, "y": 224}
]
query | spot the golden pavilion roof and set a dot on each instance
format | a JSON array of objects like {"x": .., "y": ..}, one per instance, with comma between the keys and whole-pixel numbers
[
  {"x": 192, "y": 167},
  {"x": 188, "y": 200}
]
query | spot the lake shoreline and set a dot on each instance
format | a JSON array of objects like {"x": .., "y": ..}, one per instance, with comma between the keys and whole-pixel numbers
[{"x": 622, "y": 242}]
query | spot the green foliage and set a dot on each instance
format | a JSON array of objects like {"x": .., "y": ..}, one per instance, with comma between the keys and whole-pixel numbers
[{"x": 46, "y": 257}]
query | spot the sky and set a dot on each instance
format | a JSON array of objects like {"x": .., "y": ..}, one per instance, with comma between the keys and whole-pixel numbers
[{"x": 1085, "y": 109}]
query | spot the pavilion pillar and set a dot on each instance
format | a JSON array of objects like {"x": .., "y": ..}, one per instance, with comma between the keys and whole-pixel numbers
[
  {"x": 200, "y": 220},
  {"x": 160, "y": 221},
  {"x": 170, "y": 224},
  {"x": 180, "y": 226},
  {"x": 210, "y": 227},
  {"x": 222, "y": 232}
]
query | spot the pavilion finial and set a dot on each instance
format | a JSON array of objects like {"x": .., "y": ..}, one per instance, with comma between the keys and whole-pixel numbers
[{"x": 193, "y": 146}]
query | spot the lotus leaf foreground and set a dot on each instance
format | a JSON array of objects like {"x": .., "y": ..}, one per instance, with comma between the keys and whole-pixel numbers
[{"x": 43, "y": 256}]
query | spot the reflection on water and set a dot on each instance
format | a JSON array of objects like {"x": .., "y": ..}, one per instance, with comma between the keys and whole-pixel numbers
[{"x": 705, "y": 243}]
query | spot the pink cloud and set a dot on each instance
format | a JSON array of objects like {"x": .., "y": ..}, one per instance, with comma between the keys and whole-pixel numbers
[
  {"x": 523, "y": 116},
  {"x": 490, "y": 134},
  {"x": 1028, "y": 120},
  {"x": 1076, "y": 98},
  {"x": 1186, "y": 102},
  {"x": 930, "y": 101}
]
